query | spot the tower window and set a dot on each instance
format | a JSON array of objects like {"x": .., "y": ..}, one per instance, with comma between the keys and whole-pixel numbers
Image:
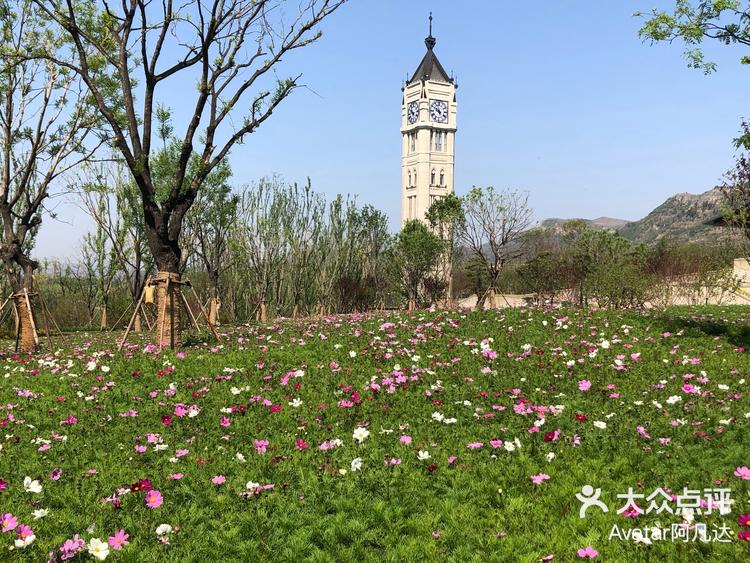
[
  {"x": 409, "y": 183},
  {"x": 432, "y": 177},
  {"x": 415, "y": 176},
  {"x": 439, "y": 141},
  {"x": 413, "y": 141},
  {"x": 442, "y": 178}
]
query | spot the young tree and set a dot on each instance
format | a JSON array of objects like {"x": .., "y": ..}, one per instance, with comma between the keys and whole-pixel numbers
[
  {"x": 46, "y": 129},
  {"x": 491, "y": 230},
  {"x": 444, "y": 216},
  {"x": 416, "y": 254},
  {"x": 112, "y": 201},
  {"x": 230, "y": 49}
]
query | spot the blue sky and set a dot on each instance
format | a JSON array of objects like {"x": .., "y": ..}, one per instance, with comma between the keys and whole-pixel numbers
[{"x": 558, "y": 98}]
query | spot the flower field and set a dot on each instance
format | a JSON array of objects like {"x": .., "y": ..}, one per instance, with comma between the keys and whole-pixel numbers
[{"x": 399, "y": 437}]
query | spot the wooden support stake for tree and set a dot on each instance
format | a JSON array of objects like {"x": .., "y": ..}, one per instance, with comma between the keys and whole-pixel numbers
[
  {"x": 18, "y": 323},
  {"x": 190, "y": 312},
  {"x": 120, "y": 318},
  {"x": 49, "y": 313},
  {"x": 135, "y": 312},
  {"x": 210, "y": 326},
  {"x": 163, "y": 314}
]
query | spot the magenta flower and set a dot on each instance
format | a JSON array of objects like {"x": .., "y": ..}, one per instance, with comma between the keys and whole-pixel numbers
[
  {"x": 3, "y": 484},
  {"x": 260, "y": 446},
  {"x": 224, "y": 421},
  {"x": 584, "y": 385},
  {"x": 539, "y": 478},
  {"x": 71, "y": 547},
  {"x": 119, "y": 540},
  {"x": 154, "y": 499},
  {"x": 587, "y": 552},
  {"x": 743, "y": 473},
  {"x": 218, "y": 479},
  {"x": 9, "y": 522}
]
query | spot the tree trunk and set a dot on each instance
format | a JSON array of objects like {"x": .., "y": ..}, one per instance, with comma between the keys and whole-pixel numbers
[
  {"x": 27, "y": 337},
  {"x": 168, "y": 301},
  {"x": 137, "y": 322},
  {"x": 213, "y": 311},
  {"x": 104, "y": 320},
  {"x": 295, "y": 311}
]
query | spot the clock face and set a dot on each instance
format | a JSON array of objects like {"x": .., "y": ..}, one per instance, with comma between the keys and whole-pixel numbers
[
  {"x": 439, "y": 111},
  {"x": 412, "y": 113}
]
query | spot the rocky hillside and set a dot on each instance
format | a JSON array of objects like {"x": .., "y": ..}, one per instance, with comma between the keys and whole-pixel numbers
[{"x": 682, "y": 217}]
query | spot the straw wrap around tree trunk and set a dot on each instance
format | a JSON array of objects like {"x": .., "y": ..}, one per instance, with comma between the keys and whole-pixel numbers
[{"x": 168, "y": 301}]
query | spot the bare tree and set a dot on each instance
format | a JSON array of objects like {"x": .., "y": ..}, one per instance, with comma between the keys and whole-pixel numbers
[
  {"x": 112, "y": 201},
  {"x": 491, "y": 230},
  {"x": 46, "y": 129},
  {"x": 133, "y": 49}
]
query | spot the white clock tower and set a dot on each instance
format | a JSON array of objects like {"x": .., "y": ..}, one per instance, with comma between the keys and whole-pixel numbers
[{"x": 428, "y": 133}]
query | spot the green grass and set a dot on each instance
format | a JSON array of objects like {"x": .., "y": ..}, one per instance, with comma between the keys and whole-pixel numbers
[{"x": 481, "y": 506}]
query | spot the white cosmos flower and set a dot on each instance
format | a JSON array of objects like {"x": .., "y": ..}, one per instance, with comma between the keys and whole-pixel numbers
[
  {"x": 163, "y": 529},
  {"x": 21, "y": 543},
  {"x": 360, "y": 434},
  {"x": 550, "y": 456},
  {"x": 40, "y": 513},
  {"x": 356, "y": 464},
  {"x": 240, "y": 457},
  {"x": 723, "y": 387},
  {"x": 600, "y": 424},
  {"x": 509, "y": 446},
  {"x": 91, "y": 366},
  {"x": 98, "y": 549},
  {"x": 450, "y": 420},
  {"x": 352, "y": 354},
  {"x": 423, "y": 455},
  {"x": 105, "y": 369},
  {"x": 31, "y": 486},
  {"x": 437, "y": 416},
  {"x": 604, "y": 344},
  {"x": 296, "y": 403},
  {"x": 674, "y": 399},
  {"x": 251, "y": 485}
]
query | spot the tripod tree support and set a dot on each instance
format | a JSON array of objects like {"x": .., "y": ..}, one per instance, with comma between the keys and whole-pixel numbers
[{"x": 164, "y": 290}]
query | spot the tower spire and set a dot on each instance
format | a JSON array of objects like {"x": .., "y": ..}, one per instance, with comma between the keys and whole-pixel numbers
[{"x": 430, "y": 40}]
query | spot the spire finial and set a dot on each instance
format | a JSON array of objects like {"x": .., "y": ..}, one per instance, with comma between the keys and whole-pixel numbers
[{"x": 430, "y": 40}]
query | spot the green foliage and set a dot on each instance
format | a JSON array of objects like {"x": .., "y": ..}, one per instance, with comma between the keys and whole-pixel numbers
[
  {"x": 727, "y": 21},
  {"x": 415, "y": 254}
]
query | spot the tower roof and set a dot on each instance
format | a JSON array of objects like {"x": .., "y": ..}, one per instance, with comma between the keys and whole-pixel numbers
[{"x": 430, "y": 67}]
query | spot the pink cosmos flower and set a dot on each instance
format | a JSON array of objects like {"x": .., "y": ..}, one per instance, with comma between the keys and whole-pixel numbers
[
  {"x": 181, "y": 453},
  {"x": 24, "y": 532},
  {"x": 451, "y": 459},
  {"x": 587, "y": 552},
  {"x": 690, "y": 389},
  {"x": 301, "y": 444},
  {"x": 140, "y": 448},
  {"x": 539, "y": 478},
  {"x": 474, "y": 445},
  {"x": 71, "y": 547},
  {"x": 743, "y": 473},
  {"x": 496, "y": 443},
  {"x": 218, "y": 479},
  {"x": 176, "y": 476},
  {"x": 584, "y": 385},
  {"x": 224, "y": 421},
  {"x": 119, "y": 540},
  {"x": 9, "y": 522},
  {"x": 260, "y": 446},
  {"x": 154, "y": 499},
  {"x": 405, "y": 439}
]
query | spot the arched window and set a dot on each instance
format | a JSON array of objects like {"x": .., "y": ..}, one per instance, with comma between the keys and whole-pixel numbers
[
  {"x": 415, "y": 176},
  {"x": 442, "y": 178},
  {"x": 409, "y": 184},
  {"x": 432, "y": 177}
]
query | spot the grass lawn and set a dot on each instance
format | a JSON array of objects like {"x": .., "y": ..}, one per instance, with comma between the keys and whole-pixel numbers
[{"x": 401, "y": 437}]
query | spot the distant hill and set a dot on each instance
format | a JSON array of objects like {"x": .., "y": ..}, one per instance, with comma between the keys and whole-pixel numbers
[
  {"x": 601, "y": 222},
  {"x": 682, "y": 217}
]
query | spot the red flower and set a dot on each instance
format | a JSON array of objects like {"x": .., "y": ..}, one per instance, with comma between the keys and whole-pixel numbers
[
  {"x": 744, "y": 520},
  {"x": 551, "y": 436},
  {"x": 744, "y": 535},
  {"x": 142, "y": 485},
  {"x": 431, "y": 468},
  {"x": 274, "y": 408},
  {"x": 581, "y": 417},
  {"x": 166, "y": 419}
]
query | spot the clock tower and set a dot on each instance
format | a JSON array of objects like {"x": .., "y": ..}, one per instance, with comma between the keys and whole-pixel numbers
[{"x": 428, "y": 132}]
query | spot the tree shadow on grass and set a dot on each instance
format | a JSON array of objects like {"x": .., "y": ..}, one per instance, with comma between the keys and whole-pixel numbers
[{"x": 734, "y": 328}]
